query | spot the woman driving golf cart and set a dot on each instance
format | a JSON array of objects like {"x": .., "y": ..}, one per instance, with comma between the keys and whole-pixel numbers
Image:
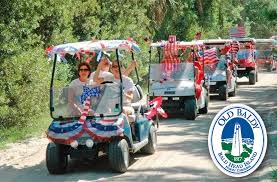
[{"x": 107, "y": 130}]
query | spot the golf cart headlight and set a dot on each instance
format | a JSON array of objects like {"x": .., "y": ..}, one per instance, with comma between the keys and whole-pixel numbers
[
  {"x": 89, "y": 143},
  {"x": 74, "y": 144},
  {"x": 175, "y": 98},
  {"x": 165, "y": 98}
]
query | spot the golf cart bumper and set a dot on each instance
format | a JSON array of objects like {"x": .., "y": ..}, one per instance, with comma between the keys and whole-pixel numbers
[
  {"x": 244, "y": 67},
  {"x": 214, "y": 86},
  {"x": 174, "y": 104}
]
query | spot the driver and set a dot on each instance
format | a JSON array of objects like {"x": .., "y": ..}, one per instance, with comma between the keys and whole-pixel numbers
[
  {"x": 128, "y": 88},
  {"x": 102, "y": 72}
]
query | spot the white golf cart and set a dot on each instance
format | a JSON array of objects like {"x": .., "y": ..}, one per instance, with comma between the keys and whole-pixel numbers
[
  {"x": 221, "y": 73},
  {"x": 176, "y": 75}
]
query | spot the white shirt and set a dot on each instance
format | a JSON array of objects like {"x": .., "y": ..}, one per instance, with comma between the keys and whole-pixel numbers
[
  {"x": 77, "y": 82},
  {"x": 102, "y": 74},
  {"x": 76, "y": 88},
  {"x": 128, "y": 84}
]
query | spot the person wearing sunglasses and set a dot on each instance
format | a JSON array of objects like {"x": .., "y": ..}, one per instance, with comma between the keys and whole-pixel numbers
[
  {"x": 83, "y": 75},
  {"x": 76, "y": 89}
]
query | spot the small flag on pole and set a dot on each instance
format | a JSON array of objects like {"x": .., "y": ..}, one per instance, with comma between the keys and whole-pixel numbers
[{"x": 237, "y": 32}]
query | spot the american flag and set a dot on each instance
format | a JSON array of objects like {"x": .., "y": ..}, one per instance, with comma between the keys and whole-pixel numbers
[
  {"x": 170, "y": 54},
  {"x": 210, "y": 56},
  {"x": 237, "y": 32}
]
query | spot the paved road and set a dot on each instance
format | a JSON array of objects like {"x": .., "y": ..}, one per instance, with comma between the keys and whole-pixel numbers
[{"x": 182, "y": 152}]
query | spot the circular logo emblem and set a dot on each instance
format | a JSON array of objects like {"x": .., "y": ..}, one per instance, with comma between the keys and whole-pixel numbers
[{"x": 237, "y": 140}]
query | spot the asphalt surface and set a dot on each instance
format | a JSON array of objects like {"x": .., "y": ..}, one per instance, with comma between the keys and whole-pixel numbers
[{"x": 182, "y": 153}]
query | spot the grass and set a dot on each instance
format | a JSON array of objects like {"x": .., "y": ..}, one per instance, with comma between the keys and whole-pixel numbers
[
  {"x": 34, "y": 129},
  {"x": 274, "y": 175}
]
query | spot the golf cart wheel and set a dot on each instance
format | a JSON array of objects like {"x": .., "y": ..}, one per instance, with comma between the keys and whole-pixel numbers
[
  {"x": 223, "y": 93},
  {"x": 252, "y": 77},
  {"x": 204, "y": 110},
  {"x": 151, "y": 146},
  {"x": 234, "y": 92},
  {"x": 119, "y": 155},
  {"x": 190, "y": 109},
  {"x": 56, "y": 159},
  {"x": 268, "y": 67}
]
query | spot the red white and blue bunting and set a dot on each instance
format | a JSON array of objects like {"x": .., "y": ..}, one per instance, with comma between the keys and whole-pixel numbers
[{"x": 97, "y": 129}]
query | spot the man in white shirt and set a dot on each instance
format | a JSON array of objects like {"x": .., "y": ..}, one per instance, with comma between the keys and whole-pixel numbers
[
  {"x": 128, "y": 88},
  {"x": 102, "y": 72}
]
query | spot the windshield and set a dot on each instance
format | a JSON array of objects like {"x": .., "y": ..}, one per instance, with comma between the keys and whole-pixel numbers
[
  {"x": 243, "y": 54},
  {"x": 263, "y": 50},
  {"x": 180, "y": 71},
  {"x": 172, "y": 63},
  {"x": 68, "y": 89},
  {"x": 69, "y": 101}
]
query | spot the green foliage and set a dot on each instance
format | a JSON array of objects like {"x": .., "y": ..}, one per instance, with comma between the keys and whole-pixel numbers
[
  {"x": 262, "y": 16},
  {"x": 249, "y": 150},
  {"x": 29, "y": 26},
  {"x": 23, "y": 87},
  {"x": 226, "y": 146},
  {"x": 274, "y": 175}
]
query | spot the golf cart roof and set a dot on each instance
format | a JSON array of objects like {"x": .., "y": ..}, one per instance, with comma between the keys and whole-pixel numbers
[
  {"x": 265, "y": 41},
  {"x": 94, "y": 46},
  {"x": 178, "y": 43},
  {"x": 245, "y": 40},
  {"x": 217, "y": 41}
]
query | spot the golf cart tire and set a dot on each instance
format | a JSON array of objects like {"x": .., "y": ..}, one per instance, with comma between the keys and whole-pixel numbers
[
  {"x": 56, "y": 159},
  {"x": 151, "y": 146},
  {"x": 252, "y": 77},
  {"x": 223, "y": 93},
  {"x": 268, "y": 67},
  {"x": 119, "y": 155},
  {"x": 204, "y": 110},
  {"x": 190, "y": 109},
  {"x": 234, "y": 92}
]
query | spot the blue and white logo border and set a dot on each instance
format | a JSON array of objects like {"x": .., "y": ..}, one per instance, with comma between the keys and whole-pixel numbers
[{"x": 211, "y": 143}]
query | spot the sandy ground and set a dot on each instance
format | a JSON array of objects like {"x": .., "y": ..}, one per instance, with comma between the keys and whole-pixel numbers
[{"x": 182, "y": 148}]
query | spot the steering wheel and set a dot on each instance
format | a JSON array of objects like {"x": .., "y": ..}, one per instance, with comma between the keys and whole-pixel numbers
[{"x": 104, "y": 82}]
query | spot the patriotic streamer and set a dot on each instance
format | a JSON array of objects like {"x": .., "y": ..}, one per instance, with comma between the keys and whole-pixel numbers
[
  {"x": 85, "y": 99},
  {"x": 155, "y": 108},
  {"x": 99, "y": 129},
  {"x": 89, "y": 92}
]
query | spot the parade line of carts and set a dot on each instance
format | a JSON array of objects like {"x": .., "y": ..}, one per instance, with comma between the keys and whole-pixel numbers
[{"x": 88, "y": 120}]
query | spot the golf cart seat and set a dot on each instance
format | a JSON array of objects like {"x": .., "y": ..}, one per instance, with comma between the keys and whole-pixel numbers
[
  {"x": 137, "y": 96},
  {"x": 136, "y": 104}
]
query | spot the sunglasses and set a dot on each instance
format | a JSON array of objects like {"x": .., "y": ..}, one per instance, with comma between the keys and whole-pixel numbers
[
  {"x": 114, "y": 66},
  {"x": 83, "y": 69}
]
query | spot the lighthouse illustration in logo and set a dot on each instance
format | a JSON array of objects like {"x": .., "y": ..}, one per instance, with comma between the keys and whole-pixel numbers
[{"x": 237, "y": 148}]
